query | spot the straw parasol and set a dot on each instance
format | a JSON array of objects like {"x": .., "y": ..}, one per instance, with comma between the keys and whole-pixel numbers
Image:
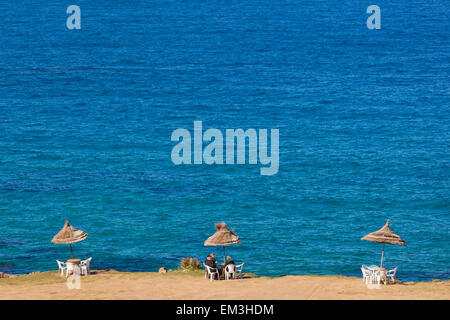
[
  {"x": 222, "y": 237},
  {"x": 385, "y": 235},
  {"x": 69, "y": 235}
]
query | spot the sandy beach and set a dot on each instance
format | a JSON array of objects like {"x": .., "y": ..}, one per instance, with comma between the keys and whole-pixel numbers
[{"x": 192, "y": 285}]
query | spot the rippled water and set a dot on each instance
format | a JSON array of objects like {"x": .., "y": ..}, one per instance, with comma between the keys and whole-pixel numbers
[{"x": 86, "y": 118}]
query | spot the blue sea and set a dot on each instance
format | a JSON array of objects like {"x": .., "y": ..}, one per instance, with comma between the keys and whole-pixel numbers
[{"x": 86, "y": 118}]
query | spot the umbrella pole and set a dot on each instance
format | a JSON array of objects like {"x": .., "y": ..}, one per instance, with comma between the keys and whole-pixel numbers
[
  {"x": 224, "y": 255},
  {"x": 382, "y": 254},
  {"x": 71, "y": 251}
]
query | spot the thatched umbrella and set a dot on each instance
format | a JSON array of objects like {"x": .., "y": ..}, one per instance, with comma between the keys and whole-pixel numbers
[
  {"x": 222, "y": 237},
  {"x": 69, "y": 235},
  {"x": 384, "y": 235}
]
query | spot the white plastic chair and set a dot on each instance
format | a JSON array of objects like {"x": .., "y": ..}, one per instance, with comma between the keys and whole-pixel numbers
[
  {"x": 62, "y": 267},
  {"x": 238, "y": 270},
  {"x": 368, "y": 275},
  {"x": 84, "y": 266},
  {"x": 391, "y": 274},
  {"x": 230, "y": 272},
  {"x": 211, "y": 273}
]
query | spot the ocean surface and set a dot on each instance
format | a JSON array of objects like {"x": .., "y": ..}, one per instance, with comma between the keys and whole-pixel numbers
[{"x": 86, "y": 118}]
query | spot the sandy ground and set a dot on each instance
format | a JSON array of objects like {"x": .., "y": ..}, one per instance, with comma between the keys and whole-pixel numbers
[{"x": 184, "y": 285}]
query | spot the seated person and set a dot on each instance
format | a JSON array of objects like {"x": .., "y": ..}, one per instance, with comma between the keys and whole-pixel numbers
[
  {"x": 229, "y": 261},
  {"x": 211, "y": 262}
]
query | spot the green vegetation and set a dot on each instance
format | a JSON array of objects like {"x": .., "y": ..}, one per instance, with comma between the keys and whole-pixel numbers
[
  {"x": 190, "y": 269},
  {"x": 190, "y": 264},
  {"x": 47, "y": 277}
]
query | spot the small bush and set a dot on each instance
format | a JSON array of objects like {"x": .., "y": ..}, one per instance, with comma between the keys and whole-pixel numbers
[{"x": 190, "y": 264}]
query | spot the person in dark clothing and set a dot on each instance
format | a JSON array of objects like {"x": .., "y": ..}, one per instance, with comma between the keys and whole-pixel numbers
[
  {"x": 229, "y": 261},
  {"x": 211, "y": 262}
]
